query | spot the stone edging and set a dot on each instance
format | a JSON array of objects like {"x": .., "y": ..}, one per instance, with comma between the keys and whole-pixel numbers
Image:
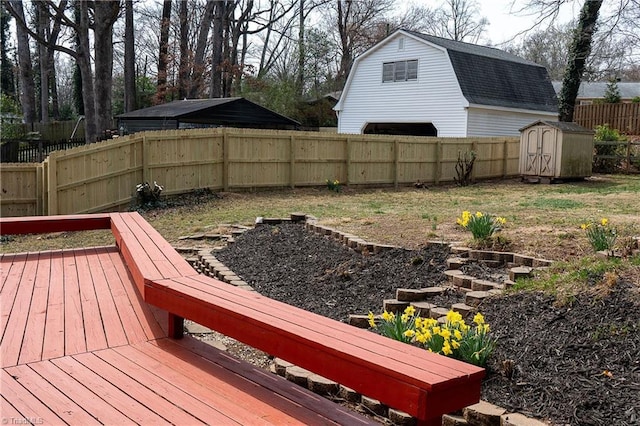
[{"x": 479, "y": 414}]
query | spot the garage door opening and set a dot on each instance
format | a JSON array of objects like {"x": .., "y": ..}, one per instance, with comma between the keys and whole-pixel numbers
[{"x": 403, "y": 129}]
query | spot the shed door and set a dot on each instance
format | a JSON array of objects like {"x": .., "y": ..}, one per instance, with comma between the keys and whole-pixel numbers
[
  {"x": 539, "y": 151},
  {"x": 547, "y": 144}
]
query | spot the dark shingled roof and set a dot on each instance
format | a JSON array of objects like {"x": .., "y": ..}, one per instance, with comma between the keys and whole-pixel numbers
[
  {"x": 489, "y": 76},
  {"x": 222, "y": 111}
]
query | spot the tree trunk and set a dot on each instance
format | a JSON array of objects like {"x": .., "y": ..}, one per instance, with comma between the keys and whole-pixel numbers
[
  {"x": 578, "y": 54},
  {"x": 106, "y": 13},
  {"x": 163, "y": 58},
  {"x": 43, "y": 57},
  {"x": 84, "y": 64},
  {"x": 301, "y": 52},
  {"x": 183, "y": 71},
  {"x": 198, "y": 58},
  {"x": 129, "y": 59},
  {"x": 216, "y": 56},
  {"x": 27, "y": 94}
]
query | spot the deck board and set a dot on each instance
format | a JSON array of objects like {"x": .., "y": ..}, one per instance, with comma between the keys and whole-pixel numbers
[
  {"x": 80, "y": 345},
  {"x": 34, "y": 332},
  {"x": 53, "y": 345},
  {"x": 17, "y": 317}
]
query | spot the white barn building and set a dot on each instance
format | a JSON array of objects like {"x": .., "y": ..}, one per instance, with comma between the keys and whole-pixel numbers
[{"x": 416, "y": 84}]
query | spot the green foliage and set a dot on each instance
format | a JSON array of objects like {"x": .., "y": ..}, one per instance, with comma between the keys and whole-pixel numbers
[
  {"x": 635, "y": 100},
  {"x": 600, "y": 234},
  {"x": 612, "y": 93},
  {"x": 604, "y": 133},
  {"x": 9, "y": 123},
  {"x": 453, "y": 338},
  {"x": 482, "y": 226}
]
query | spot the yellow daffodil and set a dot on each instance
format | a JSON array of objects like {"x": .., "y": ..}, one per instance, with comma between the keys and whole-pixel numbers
[
  {"x": 604, "y": 221},
  {"x": 446, "y": 349},
  {"x": 478, "y": 318},
  {"x": 584, "y": 226},
  {"x": 457, "y": 334},
  {"x": 486, "y": 328},
  {"x": 436, "y": 330},
  {"x": 454, "y": 317},
  {"x": 455, "y": 344},
  {"x": 388, "y": 316},
  {"x": 409, "y": 333},
  {"x": 410, "y": 310},
  {"x": 372, "y": 320},
  {"x": 421, "y": 338},
  {"x": 479, "y": 214},
  {"x": 445, "y": 333},
  {"x": 501, "y": 220},
  {"x": 404, "y": 318}
]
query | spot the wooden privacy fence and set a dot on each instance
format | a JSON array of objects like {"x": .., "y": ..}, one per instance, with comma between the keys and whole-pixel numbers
[
  {"x": 623, "y": 117},
  {"x": 103, "y": 176}
]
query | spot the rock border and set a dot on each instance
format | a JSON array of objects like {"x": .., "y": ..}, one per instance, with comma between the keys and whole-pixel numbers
[{"x": 476, "y": 290}]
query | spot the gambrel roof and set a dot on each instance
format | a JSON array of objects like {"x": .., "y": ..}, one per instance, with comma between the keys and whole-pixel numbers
[{"x": 491, "y": 77}]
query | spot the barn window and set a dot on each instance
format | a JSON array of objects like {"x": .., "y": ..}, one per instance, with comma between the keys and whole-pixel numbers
[{"x": 400, "y": 71}]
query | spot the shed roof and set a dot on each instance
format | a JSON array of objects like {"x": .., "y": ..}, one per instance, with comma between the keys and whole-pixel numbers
[
  {"x": 490, "y": 76},
  {"x": 560, "y": 125},
  {"x": 222, "y": 111}
]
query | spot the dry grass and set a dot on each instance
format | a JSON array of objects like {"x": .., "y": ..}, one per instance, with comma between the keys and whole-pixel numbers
[{"x": 543, "y": 220}]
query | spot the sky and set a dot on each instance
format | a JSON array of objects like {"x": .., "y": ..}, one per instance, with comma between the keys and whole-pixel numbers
[{"x": 505, "y": 20}]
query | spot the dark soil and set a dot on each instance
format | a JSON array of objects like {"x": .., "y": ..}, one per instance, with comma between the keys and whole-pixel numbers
[{"x": 578, "y": 364}]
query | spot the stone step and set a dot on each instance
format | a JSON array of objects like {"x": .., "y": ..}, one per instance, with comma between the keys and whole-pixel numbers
[
  {"x": 423, "y": 308},
  {"x": 463, "y": 309},
  {"x": 474, "y": 298},
  {"x": 394, "y": 305},
  {"x": 520, "y": 272},
  {"x": 456, "y": 262},
  {"x": 484, "y": 285},
  {"x": 462, "y": 280}
]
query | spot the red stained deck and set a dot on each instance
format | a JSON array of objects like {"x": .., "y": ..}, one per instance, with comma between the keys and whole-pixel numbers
[{"x": 80, "y": 346}]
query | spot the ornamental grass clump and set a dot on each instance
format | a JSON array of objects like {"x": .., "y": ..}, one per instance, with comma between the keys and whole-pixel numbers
[
  {"x": 482, "y": 226},
  {"x": 601, "y": 235},
  {"x": 454, "y": 338}
]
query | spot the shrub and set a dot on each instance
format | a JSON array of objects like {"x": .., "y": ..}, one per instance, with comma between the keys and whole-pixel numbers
[
  {"x": 453, "y": 338},
  {"x": 148, "y": 196},
  {"x": 481, "y": 226},
  {"x": 604, "y": 133}
]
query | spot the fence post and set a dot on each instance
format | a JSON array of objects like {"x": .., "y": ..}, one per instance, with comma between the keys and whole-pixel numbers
[
  {"x": 628, "y": 167},
  {"x": 396, "y": 155},
  {"x": 438, "y": 166},
  {"x": 505, "y": 159},
  {"x": 474, "y": 148},
  {"x": 52, "y": 186},
  {"x": 39, "y": 192},
  {"x": 292, "y": 161},
  {"x": 145, "y": 159},
  {"x": 225, "y": 160},
  {"x": 348, "y": 159}
]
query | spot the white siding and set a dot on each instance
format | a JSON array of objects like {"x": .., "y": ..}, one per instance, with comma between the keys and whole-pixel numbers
[
  {"x": 435, "y": 97},
  {"x": 487, "y": 122}
]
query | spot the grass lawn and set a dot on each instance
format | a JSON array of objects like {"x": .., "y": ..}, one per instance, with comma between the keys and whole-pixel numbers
[{"x": 542, "y": 220}]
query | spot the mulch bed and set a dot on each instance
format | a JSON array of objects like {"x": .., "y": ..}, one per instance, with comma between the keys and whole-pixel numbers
[{"x": 576, "y": 364}]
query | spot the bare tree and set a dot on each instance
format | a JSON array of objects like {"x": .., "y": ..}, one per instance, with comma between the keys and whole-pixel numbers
[
  {"x": 183, "y": 67},
  {"x": 129, "y": 59},
  {"x": 163, "y": 55},
  {"x": 198, "y": 68},
  {"x": 27, "y": 94},
  {"x": 459, "y": 20}
]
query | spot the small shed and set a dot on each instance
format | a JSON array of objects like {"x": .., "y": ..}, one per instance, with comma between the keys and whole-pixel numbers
[
  {"x": 196, "y": 113},
  {"x": 555, "y": 150}
]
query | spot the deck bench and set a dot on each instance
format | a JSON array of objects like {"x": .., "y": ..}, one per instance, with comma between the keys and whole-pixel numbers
[{"x": 404, "y": 377}]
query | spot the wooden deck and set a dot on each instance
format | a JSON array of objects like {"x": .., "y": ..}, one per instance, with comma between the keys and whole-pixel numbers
[{"x": 80, "y": 346}]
